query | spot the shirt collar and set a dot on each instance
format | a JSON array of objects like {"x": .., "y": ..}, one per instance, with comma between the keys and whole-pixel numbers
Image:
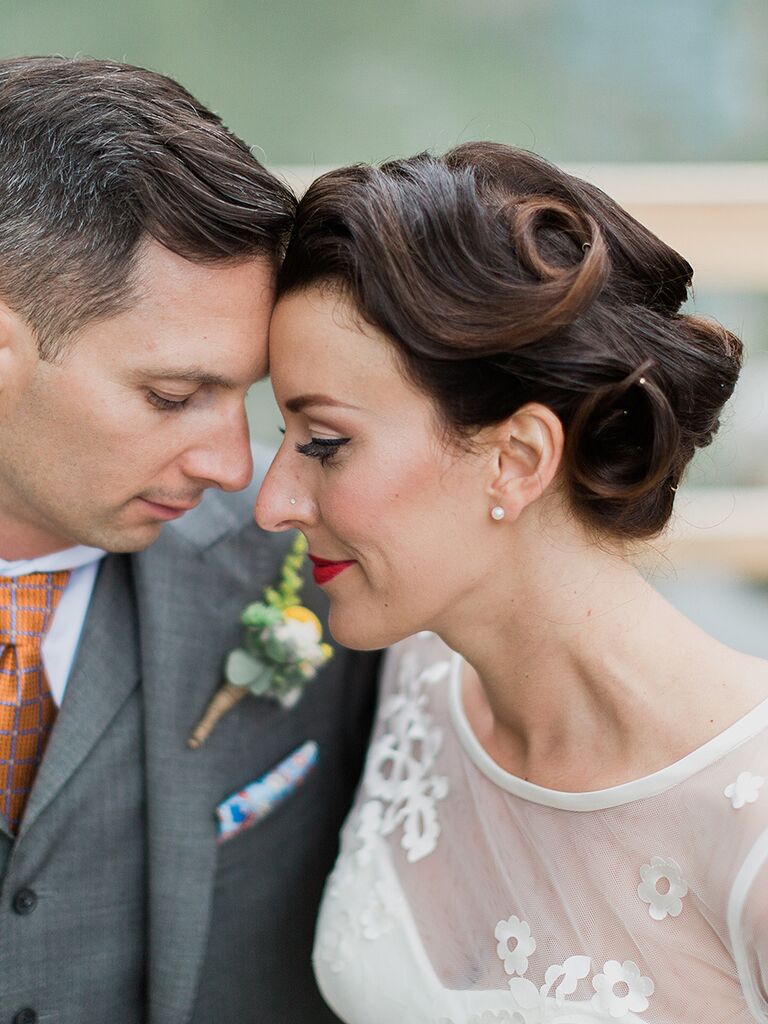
[{"x": 56, "y": 561}]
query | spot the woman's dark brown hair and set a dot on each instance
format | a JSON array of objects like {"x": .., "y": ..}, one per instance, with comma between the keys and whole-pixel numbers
[{"x": 501, "y": 280}]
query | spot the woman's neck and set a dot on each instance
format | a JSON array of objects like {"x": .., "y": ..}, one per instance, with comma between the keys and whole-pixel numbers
[{"x": 580, "y": 676}]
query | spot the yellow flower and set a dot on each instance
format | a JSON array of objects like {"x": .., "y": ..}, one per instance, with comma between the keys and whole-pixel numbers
[{"x": 302, "y": 614}]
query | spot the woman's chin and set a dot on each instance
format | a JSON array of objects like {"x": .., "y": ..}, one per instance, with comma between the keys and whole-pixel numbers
[{"x": 358, "y": 634}]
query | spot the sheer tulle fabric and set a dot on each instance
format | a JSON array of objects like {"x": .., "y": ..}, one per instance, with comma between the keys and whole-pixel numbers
[{"x": 463, "y": 895}]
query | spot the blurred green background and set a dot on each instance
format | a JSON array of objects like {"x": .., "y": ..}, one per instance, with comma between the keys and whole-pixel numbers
[{"x": 335, "y": 81}]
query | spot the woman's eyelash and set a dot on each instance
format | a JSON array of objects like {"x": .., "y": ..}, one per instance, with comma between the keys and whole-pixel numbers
[
  {"x": 322, "y": 448},
  {"x": 166, "y": 403}
]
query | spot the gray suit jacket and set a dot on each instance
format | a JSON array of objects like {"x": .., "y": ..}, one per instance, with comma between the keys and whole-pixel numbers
[{"x": 137, "y": 915}]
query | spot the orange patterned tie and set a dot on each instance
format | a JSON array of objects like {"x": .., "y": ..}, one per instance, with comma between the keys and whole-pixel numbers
[{"x": 27, "y": 710}]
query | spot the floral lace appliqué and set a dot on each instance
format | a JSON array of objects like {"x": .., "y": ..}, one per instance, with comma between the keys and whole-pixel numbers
[
  {"x": 635, "y": 989},
  {"x": 514, "y": 957},
  {"x": 336, "y": 947},
  {"x": 399, "y": 776},
  {"x": 745, "y": 790},
  {"x": 620, "y": 989},
  {"x": 666, "y": 903}
]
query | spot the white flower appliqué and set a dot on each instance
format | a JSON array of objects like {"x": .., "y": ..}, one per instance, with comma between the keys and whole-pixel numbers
[
  {"x": 670, "y": 900},
  {"x": 494, "y": 1017},
  {"x": 399, "y": 776},
  {"x": 336, "y": 947},
  {"x": 627, "y": 975},
  {"x": 745, "y": 790},
  {"x": 378, "y": 916},
  {"x": 515, "y": 958}
]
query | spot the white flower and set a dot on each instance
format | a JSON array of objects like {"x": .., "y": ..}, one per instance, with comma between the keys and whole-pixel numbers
[
  {"x": 290, "y": 697},
  {"x": 515, "y": 958},
  {"x": 627, "y": 975},
  {"x": 662, "y": 903},
  {"x": 299, "y": 637},
  {"x": 745, "y": 790}
]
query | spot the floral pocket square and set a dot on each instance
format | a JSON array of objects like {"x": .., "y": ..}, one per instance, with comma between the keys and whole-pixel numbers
[{"x": 255, "y": 801}]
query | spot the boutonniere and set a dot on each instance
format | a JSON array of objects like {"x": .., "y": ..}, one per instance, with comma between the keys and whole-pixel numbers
[{"x": 282, "y": 649}]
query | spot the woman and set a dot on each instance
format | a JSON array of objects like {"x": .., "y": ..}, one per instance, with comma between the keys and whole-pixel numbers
[{"x": 490, "y": 398}]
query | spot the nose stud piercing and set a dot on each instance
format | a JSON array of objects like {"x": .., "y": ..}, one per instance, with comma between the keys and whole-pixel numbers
[
  {"x": 497, "y": 513},
  {"x": 293, "y": 501}
]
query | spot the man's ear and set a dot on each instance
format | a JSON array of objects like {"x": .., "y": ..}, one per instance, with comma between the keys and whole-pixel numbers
[
  {"x": 528, "y": 450},
  {"x": 8, "y": 327},
  {"x": 16, "y": 345}
]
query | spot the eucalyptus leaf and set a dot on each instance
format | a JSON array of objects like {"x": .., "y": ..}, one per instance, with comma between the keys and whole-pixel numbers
[
  {"x": 241, "y": 669},
  {"x": 263, "y": 682}
]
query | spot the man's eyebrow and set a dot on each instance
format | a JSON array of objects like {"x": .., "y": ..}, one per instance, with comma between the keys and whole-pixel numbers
[
  {"x": 302, "y": 401},
  {"x": 191, "y": 374}
]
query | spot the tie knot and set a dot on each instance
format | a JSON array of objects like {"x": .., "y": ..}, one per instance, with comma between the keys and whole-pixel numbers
[{"x": 27, "y": 604}]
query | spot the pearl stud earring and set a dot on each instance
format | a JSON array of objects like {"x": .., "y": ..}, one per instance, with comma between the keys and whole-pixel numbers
[{"x": 497, "y": 513}]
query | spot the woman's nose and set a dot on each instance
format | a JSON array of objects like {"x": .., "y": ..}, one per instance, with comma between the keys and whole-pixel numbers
[{"x": 280, "y": 503}]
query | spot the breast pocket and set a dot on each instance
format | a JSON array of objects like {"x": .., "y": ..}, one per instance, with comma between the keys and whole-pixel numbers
[{"x": 257, "y": 800}]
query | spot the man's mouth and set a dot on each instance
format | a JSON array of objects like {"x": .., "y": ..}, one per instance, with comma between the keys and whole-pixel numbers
[
  {"x": 325, "y": 569},
  {"x": 169, "y": 511}
]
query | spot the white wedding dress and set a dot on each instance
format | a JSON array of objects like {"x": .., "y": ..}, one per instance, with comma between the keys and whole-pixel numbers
[{"x": 465, "y": 895}]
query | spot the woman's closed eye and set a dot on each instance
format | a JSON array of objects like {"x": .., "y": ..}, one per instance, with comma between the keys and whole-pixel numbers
[{"x": 322, "y": 448}]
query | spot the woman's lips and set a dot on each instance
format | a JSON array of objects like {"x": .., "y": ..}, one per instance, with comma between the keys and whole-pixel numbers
[{"x": 325, "y": 570}]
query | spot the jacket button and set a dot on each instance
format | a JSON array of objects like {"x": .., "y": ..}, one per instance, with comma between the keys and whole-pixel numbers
[
  {"x": 26, "y": 1016},
  {"x": 24, "y": 902}
]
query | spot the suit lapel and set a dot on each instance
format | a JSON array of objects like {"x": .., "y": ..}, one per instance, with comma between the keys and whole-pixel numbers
[
  {"x": 188, "y": 617},
  {"x": 104, "y": 674}
]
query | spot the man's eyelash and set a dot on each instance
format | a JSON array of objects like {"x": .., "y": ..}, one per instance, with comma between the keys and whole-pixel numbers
[{"x": 166, "y": 403}]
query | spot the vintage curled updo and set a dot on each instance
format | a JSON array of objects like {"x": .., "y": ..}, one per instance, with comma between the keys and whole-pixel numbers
[{"x": 500, "y": 280}]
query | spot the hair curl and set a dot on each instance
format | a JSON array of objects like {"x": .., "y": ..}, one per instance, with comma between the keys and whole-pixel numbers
[{"x": 501, "y": 280}]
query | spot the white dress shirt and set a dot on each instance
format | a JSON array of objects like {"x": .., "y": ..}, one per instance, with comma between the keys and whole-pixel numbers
[{"x": 61, "y": 640}]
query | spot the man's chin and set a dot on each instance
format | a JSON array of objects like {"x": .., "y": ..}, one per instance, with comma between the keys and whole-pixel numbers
[{"x": 124, "y": 541}]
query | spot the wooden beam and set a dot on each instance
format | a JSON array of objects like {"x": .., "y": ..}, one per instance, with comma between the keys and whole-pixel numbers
[{"x": 716, "y": 215}]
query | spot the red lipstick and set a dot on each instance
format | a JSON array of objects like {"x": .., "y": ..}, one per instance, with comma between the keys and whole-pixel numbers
[{"x": 325, "y": 570}]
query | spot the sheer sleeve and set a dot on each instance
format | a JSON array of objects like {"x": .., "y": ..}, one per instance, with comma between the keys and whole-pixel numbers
[{"x": 748, "y": 925}]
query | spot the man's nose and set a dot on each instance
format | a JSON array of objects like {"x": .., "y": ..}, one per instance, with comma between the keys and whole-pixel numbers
[{"x": 224, "y": 457}]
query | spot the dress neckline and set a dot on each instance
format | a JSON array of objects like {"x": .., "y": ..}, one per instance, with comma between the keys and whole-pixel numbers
[{"x": 729, "y": 739}]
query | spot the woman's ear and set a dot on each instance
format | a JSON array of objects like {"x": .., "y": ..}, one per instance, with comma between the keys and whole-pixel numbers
[{"x": 528, "y": 450}]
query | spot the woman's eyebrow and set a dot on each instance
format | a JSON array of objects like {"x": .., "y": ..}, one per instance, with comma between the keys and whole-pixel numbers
[{"x": 302, "y": 401}]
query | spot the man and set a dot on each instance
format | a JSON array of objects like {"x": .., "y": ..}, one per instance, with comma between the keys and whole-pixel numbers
[{"x": 138, "y": 245}]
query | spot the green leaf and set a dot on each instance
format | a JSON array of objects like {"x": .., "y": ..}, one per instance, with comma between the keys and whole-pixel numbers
[
  {"x": 241, "y": 669},
  {"x": 258, "y": 615},
  {"x": 263, "y": 683}
]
